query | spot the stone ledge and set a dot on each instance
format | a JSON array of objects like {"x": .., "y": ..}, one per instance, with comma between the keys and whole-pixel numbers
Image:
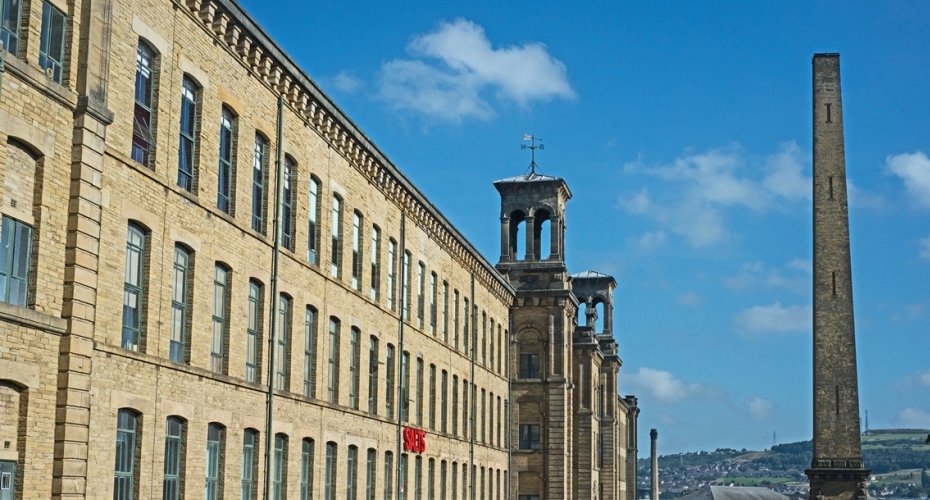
[{"x": 32, "y": 319}]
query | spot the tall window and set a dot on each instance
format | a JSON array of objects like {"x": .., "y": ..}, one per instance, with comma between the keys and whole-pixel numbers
[
  {"x": 392, "y": 262},
  {"x": 491, "y": 341},
  {"x": 421, "y": 285},
  {"x": 432, "y": 304},
  {"x": 483, "y": 419},
  {"x": 179, "y": 305},
  {"x": 445, "y": 312},
  {"x": 142, "y": 131},
  {"x": 124, "y": 472},
  {"x": 432, "y": 396},
  {"x": 329, "y": 475},
  {"x": 306, "y": 469},
  {"x": 52, "y": 45},
  {"x": 484, "y": 339},
  {"x": 356, "y": 251},
  {"x": 430, "y": 479},
  {"x": 404, "y": 386},
  {"x": 333, "y": 362},
  {"x": 500, "y": 420},
  {"x": 417, "y": 477},
  {"x": 491, "y": 418},
  {"x": 132, "y": 286},
  {"x": 465, "y": 332},
  {"x": 187, "y": 140},
  {"x": 443, "y": 387},
  {"x": 218, "y": 344},
  {"x": 174, "y": 458},
  {"x": 9, "y": 25},
  {"x": 259, "y": 168},
  {"x": 15, "y": 243},
  {"x": 287, "y": 205},
  {"x": 402, "y": 476},
  {"x": 455, "y": 319},
  {"x": 214, "y": 480},
  {"x": 373, "y": 375},
  {"x": 419, "y": 396},
  {"x": 279, "y": 479},
  {"x": 253, "y": 328},
  {"x": 453, "y": 484},
  {"x": 335, "y": 257},
  {"x": 500, "y": 348},
  {"x": 225, "y": 177},
  {"x": 282, "y": 365},
  {"x": 351, "y": 468},
  {"x": 465, "y": 482},
  {"x": 442, "y": 480},
  {"x": 529, "y": 436},
  {"x": 249, "y": 464},
  {"x": 375, "y": 262},
  {"x": 405, "y": 292},
  {"x": 313, "y": 224},
  {"x": 370, "y": 474},
  {"x": 310, "y": 353},
  {"x": 455, "y": 404},
  {"x": 465, "y": 408},
  {"x": 354, "y": 339},
  {"x": 388, "y": 475},
  {"x": 389, "y": 382}
]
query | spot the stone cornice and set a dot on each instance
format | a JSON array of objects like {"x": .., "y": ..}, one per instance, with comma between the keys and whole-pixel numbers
[{"x": 229, "y": 24}]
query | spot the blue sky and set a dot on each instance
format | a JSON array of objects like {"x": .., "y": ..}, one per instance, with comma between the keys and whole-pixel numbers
[{"x": 684, "y": 132}]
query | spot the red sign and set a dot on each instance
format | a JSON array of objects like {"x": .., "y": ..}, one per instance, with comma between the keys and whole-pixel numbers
[{"x": 414, "y": 440}]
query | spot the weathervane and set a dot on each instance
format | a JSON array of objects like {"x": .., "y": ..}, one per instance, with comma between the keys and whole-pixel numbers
[{"x": 532, "y": 147}]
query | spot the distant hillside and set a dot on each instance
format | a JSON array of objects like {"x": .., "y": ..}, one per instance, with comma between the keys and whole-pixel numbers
[{"x": 883, "y": 451}]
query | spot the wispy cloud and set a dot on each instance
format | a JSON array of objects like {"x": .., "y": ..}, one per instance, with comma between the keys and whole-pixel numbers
[
  {"x": 914, "y": 170},
  {"x": 345, "y": 82},
  {"x": 704, "y": 185},
  {"x": 688, "y": 299},
  {"x": 666, "y": 387},
  {"x": 760, "y": 408},
  {"x": 773, "y": 318},
  {"x": 920, "y": 378},
  {"x": 648, "y": 241},
  {"x": 925, "y": 247},
  {"x": 795, "y": 277},
  {"x": 455, "y": 69},
  {"x": 912, "y": 417}
]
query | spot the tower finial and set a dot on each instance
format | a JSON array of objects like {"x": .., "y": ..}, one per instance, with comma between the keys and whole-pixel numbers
[{"x": 532, "y": 147}]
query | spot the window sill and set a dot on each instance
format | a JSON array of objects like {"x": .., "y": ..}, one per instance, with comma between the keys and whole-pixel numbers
[
  {"x": 32, "y": 319},
  {"x": 35, "y": 77}
]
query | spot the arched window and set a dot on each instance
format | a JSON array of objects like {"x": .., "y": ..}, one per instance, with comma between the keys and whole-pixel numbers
[
  {"x": 216, "y": 436},
  {"x": 220, "y": 318},
  {"x": 313, "y": 229},
  {"x": 287, "y": 204},
  {"x": 351, "y": 472},
  {"x": 375, "y": 262},
  {"x": 226, "y": 174},
  {"x": 279, "y": 479},
  {"x": 282, "y": 361},
  {"x": 174, "y": 458},
  {"x": 335, "y": 260},
  {"x": 188, "y": 134},
  {"x": 249, "y": 464},
  {"x": 333, "y": 362},
  {"x": 253, "y": 344},
  {"x": 259, "y": 177},
  {"x": 392, "y": 265},
  {"x": 373, "y": 375},
  {"x": 180, "y": 312},
  {"x": 143, "y": 132},
  {"x": 306, "y": 469},
  {"x": 389, "y": 382},
  {"x": 354, "y": 339},
  {"x": 125, "y": 472},
  {"x": 133, "y": 288},
  {"x": 310, "y": 339},
  {"x": 357, "y": 250},
  {"x": 329, "y": 473}
]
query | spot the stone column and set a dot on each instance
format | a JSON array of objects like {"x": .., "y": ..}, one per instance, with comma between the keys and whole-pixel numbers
[
  {"x": 836, "y": 471},
  {"x": 505, "y": 239},
  {"x": 530, "y": 237},
  {"x": 654, "y": 489}
]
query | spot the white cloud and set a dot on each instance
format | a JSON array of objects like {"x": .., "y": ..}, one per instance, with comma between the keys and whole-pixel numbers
[
  {"x": 760, "y": 408},
  {"x": 666, "y": 387},
  {"x": 649, "y": 241},
  {"x": 755, "y": 274},
  {"x": 860, "y": 198},
  {"x": 773, "y": 318},
  {"x": 920, "y": 378},
  {"x": 346, "y": 83},
  {"x": 456, "y": 66},
  {"x": 925, "y": 247},
  {"x": 667, "y": 420},
  {"x": 914, "y": 170},
  {"x": 711, "y": 182},
  {"x": 688, "y": 299},
  {"x": 912, "y": 418}
]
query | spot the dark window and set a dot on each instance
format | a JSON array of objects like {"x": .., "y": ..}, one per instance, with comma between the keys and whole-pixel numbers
[
  {"x": 354, "y": 339},
  {"x": 258, "y": 184},
  {"x": 529, "y": 437},
  {"x": 351, "y": 467},
  {"x": 282, "y": 365},
  {"x": 375, "y": 262},
  {"x": 529, "y": 366},
  {"x": 226, "y": 167},
  {"x": 249, "y": 464},
  {"x": 389, "y": 382},
  {"x": 9, "y": 25},
  {"x": 218, "y": 343},
  {"x": 392, "y": 255},
  {"x": 310, "y": 353},
  {"x": 388, "y": 476},
  {"x": 329, "y": 475},
  {"x": 287, "y": 204},
  {"x": 52, "y": 45},
  {"x": 132, "y": 288},
  {"x": 373, "y": 375},
  {"x": 174, "y": 458},
  {"x": 333, "y": 363},
  {"x": 306, "y": 470},
  {"x": 280, "y": 468},
  {"x": 214, "y": 480},
  {"x": 370, "y": 475},
  {"x": 335, "y": 257},
  {"x": 187, "y": 141},
  {"x": 142, "y": 134},
  {"x": 252, "y": 345},
  {"x": 313, "y": 229},
  {"x": 124, "y": 472},
  {"x": 15, "y": 243},
  {"x": 356, "y": 251},
  {"x": 179, "y": 305}
]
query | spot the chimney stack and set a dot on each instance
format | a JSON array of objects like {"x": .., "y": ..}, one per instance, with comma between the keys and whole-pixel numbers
[{"x": 654, "y": 491}]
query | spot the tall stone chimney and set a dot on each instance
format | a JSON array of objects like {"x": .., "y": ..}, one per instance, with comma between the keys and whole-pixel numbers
[
  {"x": 836, "y": 471},
  {"x": 654, "y": 489}
]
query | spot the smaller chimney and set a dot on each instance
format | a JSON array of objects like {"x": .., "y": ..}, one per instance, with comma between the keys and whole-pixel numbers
[{"x": 654, "y": 491}]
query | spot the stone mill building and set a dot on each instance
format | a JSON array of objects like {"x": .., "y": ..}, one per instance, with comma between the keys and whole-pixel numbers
[{"x": 213, "y": 283}]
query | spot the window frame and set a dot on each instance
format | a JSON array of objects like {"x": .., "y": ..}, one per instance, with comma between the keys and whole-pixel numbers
[
  {"x": 226, "y": 172},
  {"x": 529, "y": 437},
  {"x": 47, "y": 53},
  {"x": 375, "y": 289},
  {"x": 220, "y": 319},
  {"x": 313, "y": 221},
  {"x": 335, "y": 256},
  {"x": 249, "y": 465},
  {"x": 253, "y": 332},
  {"x": 125, "y": 478},
  {"x": 357, "y": 250},
  {"x": 179, "y": 343},
  {"x": 213, "y": 463},
  {"x": 287, "y": 203},
  {"x": 143, "y": 128},
  {"x": 132, "y": 334},
  {"x": 333, "y": 361},
  {"x": 174, "y": 458},
  {"x": 282, "y": 343},
  {"x": 259, "y": 183},
  {"x": 187, "y": 134},
  {"x": 311, "y": 323}
]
